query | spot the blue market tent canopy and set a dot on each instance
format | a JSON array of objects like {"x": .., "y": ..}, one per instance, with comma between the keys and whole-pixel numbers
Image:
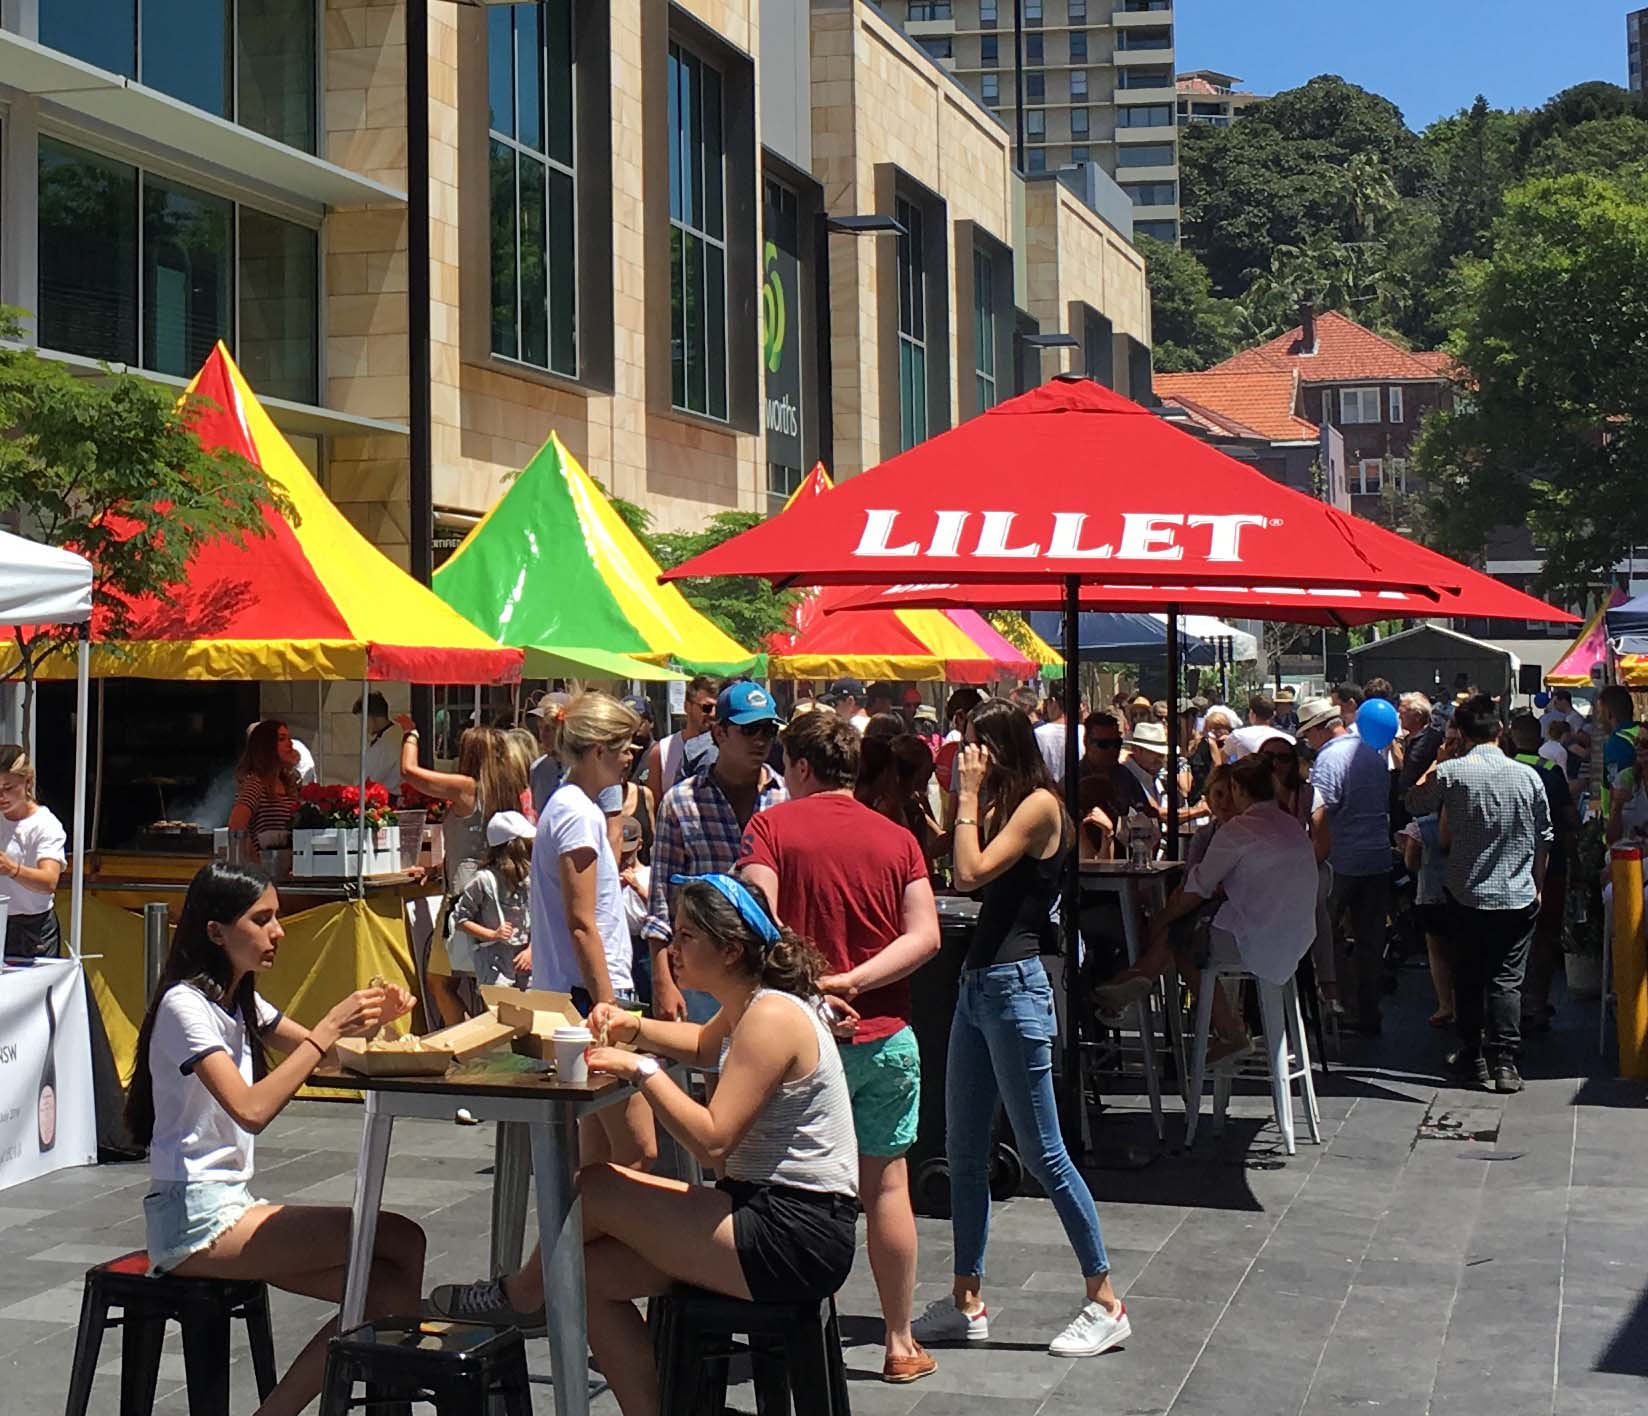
[
  {"x": 1628, "y": 626},
  {"x": 1129, "y": 638}
]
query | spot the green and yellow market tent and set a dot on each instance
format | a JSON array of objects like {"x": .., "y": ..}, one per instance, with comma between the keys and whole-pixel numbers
[{"x": 553, "y": 570}]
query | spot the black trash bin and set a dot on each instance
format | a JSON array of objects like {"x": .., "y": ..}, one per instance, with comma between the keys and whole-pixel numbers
[{"x": 932, "y": 1006}]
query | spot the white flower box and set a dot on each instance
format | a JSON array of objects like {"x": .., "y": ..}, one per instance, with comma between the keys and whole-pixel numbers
[{"x": 335, "y": 851}]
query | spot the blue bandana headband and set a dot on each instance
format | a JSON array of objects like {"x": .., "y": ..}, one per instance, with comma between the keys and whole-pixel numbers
[{"x": 737, "y": 894}]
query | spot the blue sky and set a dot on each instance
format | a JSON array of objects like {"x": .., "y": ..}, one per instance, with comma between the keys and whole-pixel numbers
[{"x": 1429, "y": 57}]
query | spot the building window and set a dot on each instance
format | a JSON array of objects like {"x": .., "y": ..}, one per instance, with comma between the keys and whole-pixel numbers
[
  {"x": 1035, "y": 125},
  {"x": 1358, "y": 405},
  {"x": 912, "y": 327},
  {"x": 533, "y": 185},
  {"x": 1035, "y": 160},
  {"x": 1078, "y": 10},
  {"x": 1396, "y": 405},
  {"x": 1035, "y": 49},
  {"x": 1078, "y": 122},
  {"x": 251, "y": 61},
  {"x": 937, "y": 46},
  {"x": 989, "y": 52},
  {"x": 1078, "y": 83},
  {"x": 1143, "y": 76},
  {"x": 987, "y": 14},
  {"x": 1370, "y": 476},
  {"x": 1399, "y": 474},
  {"x": 1144, "y": 155},
  {"x": 698, "y": 250},
  {"x": 1144, "y": 39},
  {"x": 782, "y": 482},
  {"x": 1080, "y": 154},
  {"x": 1078, "y": 46},
  {"x": 1035, "y": 88},
  {"x": 1145, "y": 115},
  {"x": 1152, "y": 193},
  {"x": 1158, "y": 230},
  {"x": 990, "y": 88},
  {"x": 929, "y": 9},
  {"x": 139, "y": 270},
  {"x": 1032, "y": 12},
  {"x": 984, "y": 329}
]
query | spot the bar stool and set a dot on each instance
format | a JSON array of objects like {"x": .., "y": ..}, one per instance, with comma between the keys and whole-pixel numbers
[
  {"x": 202, "y": 1307},
  {"x": 459, "y": 1368},
  {"x": 795, "y": 1349},
  {"x": 1284, "y": 1033}
]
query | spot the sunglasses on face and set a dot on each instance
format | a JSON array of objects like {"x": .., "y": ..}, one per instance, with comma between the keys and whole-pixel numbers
[{"x": 765, "y": 729}]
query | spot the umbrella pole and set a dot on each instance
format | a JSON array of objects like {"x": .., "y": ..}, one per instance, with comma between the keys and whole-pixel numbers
[
  {"x": 82, "y": 708},
  {"x": 1172, "y": 732},
  {"x": 1074, "y": 1124},
  {"x": 360, "y": 821}
]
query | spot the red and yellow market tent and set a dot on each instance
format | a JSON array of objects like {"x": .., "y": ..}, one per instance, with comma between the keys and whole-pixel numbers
[
  {"x": 924, "y": 645},
  {"x": 310, "y": 599}
]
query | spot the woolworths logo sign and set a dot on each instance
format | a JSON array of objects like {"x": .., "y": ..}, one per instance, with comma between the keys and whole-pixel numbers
[{"x": 773, "y": 320}]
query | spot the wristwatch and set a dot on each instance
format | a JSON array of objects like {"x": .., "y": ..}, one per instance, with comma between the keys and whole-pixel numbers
[{"x": 645, "y": 1067}]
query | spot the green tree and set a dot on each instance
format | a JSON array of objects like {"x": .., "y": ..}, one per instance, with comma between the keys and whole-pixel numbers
[
  {"x": 1554, "y": 328},
  {"x": 110, "y": 468},
  {"x": 1192, "y": 327},
  {"x": 745, "y": 606}
]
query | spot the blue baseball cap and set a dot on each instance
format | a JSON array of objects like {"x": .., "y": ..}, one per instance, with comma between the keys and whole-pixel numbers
[{"x": 745, "y": 702}]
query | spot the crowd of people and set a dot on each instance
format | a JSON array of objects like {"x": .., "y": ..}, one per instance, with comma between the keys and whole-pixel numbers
[{"x": 693, "y": 895}]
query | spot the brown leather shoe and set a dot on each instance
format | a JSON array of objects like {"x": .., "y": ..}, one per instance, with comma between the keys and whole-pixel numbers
[{"x": 913, "y": 1368}]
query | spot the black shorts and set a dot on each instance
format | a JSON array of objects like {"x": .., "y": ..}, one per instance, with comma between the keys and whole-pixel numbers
[
  {"x": 793, "y": 1245},
  {"x": 1433, "y": 919}
]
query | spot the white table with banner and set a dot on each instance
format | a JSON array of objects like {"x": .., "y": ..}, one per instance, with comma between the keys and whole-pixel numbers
[{"x": 48, "y": 1118}]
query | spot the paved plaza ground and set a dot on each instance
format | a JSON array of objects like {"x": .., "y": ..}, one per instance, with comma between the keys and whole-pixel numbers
[{"x": 1398, "y": 1268}]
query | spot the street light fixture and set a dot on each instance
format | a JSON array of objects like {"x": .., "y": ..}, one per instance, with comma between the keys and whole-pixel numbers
[
  {"x": 863, "y": 224},
  {"x": 872, "y": 225}
]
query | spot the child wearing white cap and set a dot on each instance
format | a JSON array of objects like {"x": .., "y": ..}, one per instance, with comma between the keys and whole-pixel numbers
[{"x": 492, "y": 918}]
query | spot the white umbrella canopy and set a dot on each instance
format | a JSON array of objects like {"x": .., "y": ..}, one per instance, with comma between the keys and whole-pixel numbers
[
  {"x": 41, "y": 584},
  {"x": 1243, "y": 646},
  {"x": 44, "y": 585}
]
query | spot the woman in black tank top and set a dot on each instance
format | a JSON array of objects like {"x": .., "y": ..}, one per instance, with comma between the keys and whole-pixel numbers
[{"x": 1011, "y": 836}]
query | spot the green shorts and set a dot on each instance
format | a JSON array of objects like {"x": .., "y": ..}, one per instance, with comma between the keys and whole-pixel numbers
[{"x": 884, "y": 1081}]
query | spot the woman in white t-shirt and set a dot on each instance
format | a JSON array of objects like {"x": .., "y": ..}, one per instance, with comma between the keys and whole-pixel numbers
[
  {"x": 203, "y": 1088},
  {"x": 32, "y": 858}
]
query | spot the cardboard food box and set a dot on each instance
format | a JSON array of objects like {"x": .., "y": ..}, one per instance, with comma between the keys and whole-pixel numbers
[
  {"x": 358, "y": 1055},
  {"x": 474, "y": 1036},
  {"x": 535, "y": 1013}
]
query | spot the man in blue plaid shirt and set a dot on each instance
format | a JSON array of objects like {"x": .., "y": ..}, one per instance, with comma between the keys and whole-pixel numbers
[
  {"x": 1496, "y": 828},
  {"x": 701, "y": 825}
]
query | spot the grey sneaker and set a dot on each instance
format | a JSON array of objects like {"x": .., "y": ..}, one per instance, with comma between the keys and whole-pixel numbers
[
  {"x": 484, "y": 1303},
  {"x": 1506, "y": 1078}
]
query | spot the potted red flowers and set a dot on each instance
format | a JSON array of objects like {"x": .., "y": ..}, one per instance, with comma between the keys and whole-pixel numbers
[{"x": 332, "y": 827}]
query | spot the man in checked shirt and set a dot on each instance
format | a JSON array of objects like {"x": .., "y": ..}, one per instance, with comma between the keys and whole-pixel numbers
[
  {"x": 1496, "y": 828},
  {"x": 700, "y": 829}
]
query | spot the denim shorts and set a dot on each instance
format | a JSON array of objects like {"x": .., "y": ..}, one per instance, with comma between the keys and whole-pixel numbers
[
  {"x": 186, "y": 1216},
  {"x": 884, "y": 1082}
]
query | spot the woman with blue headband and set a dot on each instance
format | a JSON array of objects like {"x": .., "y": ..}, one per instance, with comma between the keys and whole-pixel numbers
[{"x": 780, "y": 1225}]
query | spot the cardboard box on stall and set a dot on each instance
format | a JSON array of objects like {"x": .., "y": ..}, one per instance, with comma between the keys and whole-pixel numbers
[{"x": 534, "y": 1013}]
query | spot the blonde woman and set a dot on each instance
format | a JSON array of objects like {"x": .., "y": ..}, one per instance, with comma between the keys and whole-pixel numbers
[
  {"x": 581, "y": 946},
  {"x": 32, "y": 857},
  {"x": 488, "y": 780}
]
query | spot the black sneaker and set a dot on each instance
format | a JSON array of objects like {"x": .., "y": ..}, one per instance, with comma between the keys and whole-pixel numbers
[{"x": 1506, "y": 1078}]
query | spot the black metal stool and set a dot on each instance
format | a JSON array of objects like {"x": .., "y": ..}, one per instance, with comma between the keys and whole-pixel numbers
[
  {"x": 202, "y": 1307},
  {"x": 456, "y": 1367},
  {"x": 795, "y": 1349}
]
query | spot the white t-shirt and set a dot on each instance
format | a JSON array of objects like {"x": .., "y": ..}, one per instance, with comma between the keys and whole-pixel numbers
[
  {"x": 383, "y": 759},
  {"x": 306, "y": 764},
  {"x": 1268, "y": 871},
  {"x": 1554, "y": 752},
  {"x": 194, "y": 1137},
  {"x": 860, "y": 720},
  {"x": 572, "y": 822},
  {"x": 37, "y": 837},
  {"x": 1050, "y": 739},
  {"x": 1553, "y": 714}
]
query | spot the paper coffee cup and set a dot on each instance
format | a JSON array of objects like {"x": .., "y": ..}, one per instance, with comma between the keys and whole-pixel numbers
[{"x": 570, "y": 1064}]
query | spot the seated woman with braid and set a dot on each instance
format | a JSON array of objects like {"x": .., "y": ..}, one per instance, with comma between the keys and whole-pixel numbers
[{"x": 780, "y": 1225}]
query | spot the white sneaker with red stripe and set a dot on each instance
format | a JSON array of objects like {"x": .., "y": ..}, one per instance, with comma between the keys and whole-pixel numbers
[
  {"x": 944, "y": 1324},
  {"x": 1093, "y": 1330}
]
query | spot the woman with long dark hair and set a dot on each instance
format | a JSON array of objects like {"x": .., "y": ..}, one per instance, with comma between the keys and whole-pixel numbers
[
  {"x": 266, "y": 781},
  {"x": 204, "y": 1087},
  {"x": 1010, "y": 839}
]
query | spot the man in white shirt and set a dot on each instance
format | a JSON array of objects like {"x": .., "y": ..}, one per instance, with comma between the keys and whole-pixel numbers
[
  {"x": 383, "y": 751},
  {"x": 846, "y": 696},
  {"x": 1050, "y": 736},
  {"x": 692, "y": 749},
  {"x": 1562, "y": 706}
]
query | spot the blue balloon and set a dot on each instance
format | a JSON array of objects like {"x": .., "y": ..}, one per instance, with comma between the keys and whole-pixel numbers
[
  {"x": 1376, "y": 722},
  {"x": 1542, "y": 699}
]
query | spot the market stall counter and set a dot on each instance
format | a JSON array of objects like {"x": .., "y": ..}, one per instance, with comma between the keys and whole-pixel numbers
[{"x": 338, "y": 938}]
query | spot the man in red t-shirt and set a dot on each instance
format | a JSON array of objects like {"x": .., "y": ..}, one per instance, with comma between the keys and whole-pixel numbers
[{"x": 856, "y": 884}]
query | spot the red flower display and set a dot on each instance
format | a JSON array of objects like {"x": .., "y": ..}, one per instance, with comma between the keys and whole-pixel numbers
[{"x": 323, "y": 806}]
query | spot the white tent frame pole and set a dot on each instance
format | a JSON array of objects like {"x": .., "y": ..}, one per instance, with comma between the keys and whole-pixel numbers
[
  {"x": 360, "y": 823},
  {"x": 82, "y": 709}
]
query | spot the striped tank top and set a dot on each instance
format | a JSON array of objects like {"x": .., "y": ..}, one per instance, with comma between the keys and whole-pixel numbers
[{"x": 803, "y": 1137}]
